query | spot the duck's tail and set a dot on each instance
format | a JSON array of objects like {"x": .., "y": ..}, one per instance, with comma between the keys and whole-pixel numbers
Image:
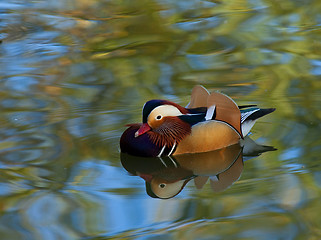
[{"x": 249, "y": 117}]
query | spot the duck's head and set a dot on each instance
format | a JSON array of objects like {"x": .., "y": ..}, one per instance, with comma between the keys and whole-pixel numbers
[
  {"x": 164, "y": 125},
  {"x": 162, "y": 116},
  {"x": 159, "y": 188}
]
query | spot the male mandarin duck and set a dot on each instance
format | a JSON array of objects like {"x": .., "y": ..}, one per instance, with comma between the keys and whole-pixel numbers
[{"x": 210, "y": 121}]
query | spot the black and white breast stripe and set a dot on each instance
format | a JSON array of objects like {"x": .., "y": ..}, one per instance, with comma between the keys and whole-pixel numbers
[
  {"x": 166, "y": 151},
  {"x": 169, "y": 162}
]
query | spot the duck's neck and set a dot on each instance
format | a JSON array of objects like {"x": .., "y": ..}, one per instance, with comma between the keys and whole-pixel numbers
[{"x": 170, "y": 134}]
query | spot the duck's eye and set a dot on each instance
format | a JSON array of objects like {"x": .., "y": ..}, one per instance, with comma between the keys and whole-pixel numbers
[
  {"x": 162, "y": 185},
  {"x": 159, "y": 117}
]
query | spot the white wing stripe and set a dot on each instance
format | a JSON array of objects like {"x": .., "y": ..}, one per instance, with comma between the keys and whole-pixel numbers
[
  {"x": 193, "y": 114},
  {"x": 210, "y": 112},
  {"x": 245, "y": 115}
]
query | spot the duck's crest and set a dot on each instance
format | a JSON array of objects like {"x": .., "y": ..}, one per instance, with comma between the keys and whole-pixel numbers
[
  {"x": 226, "y": 110},
  {"x": 199, "y": 97}
]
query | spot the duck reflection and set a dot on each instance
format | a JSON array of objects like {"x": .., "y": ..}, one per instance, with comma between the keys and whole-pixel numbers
[{"x": 165, "y": 177}]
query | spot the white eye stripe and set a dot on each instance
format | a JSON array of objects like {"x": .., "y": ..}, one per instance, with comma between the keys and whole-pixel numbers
[{"x": 164, "y": 111}]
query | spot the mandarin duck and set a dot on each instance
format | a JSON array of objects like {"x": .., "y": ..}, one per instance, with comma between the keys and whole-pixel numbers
[{"x": 210, "y": 121}]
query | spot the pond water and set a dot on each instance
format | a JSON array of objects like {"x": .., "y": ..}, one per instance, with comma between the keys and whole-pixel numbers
[{"x": 73, "y": 73}]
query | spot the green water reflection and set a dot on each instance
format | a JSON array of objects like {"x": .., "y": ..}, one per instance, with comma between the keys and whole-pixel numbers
[{"x": 73, "y": 73}]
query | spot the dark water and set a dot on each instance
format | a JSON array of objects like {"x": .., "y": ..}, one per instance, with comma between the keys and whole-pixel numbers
[{"x": 73, "y": 73}]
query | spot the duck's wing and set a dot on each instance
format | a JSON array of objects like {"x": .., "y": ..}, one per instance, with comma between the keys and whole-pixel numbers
[
  {"x": 227, "y": 178},
  {"x": 219, "y": 127},
  {"x": 223, "y": 108},
  {"x": 199, "y": 97},
  {"x": 200, "y": 181}
]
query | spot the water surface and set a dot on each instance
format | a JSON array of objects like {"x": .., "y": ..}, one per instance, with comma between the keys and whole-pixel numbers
[{"x": 73, "y": 73}]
